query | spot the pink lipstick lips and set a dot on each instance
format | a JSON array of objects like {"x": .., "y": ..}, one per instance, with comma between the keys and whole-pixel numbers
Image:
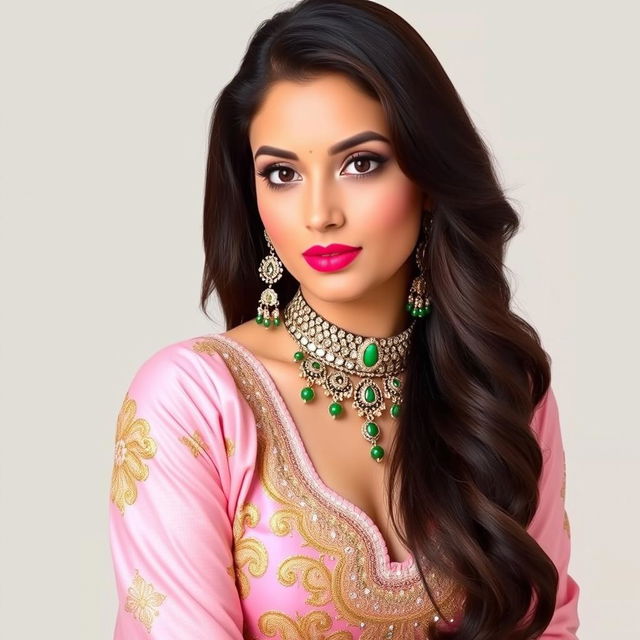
[{"x": 332, "y": 257}]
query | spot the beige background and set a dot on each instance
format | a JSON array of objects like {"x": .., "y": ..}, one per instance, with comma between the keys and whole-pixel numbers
[{"x": 103, "y": 121}]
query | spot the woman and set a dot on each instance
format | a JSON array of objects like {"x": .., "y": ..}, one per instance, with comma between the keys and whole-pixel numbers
[{"x": 354, "y": 230}]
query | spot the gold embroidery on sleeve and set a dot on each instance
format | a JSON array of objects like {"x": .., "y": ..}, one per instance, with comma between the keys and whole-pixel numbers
[
  {"x": 248, "y": 551},
  {"x": 143, "y": 601},
  {"x": 195, "y": 443},
  {"x": 133, "y": 443},
  {"x": 229, "y": 446},
  {"x": 307, "y": 627}
]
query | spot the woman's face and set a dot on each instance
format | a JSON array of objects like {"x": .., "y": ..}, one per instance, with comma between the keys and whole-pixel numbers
[{"x": 310, "y": 194}]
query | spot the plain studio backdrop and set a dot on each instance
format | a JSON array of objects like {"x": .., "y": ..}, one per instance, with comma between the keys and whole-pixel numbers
[{"x": 103, "y": 127}]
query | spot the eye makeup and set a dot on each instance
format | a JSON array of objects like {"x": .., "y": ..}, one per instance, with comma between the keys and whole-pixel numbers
[{"x": 269, "y": 169}]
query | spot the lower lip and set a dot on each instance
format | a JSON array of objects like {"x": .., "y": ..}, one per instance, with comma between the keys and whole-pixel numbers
[{"x": 332, "y": 263}]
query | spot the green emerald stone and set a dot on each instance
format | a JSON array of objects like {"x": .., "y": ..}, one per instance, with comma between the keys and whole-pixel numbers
[
  {"x": 307, "y": 394},
  {"x": 266, "y": 322},
  {"x": 298, "y": 355},
  {"x": 259, "y": 318},
  {"x": 370, "y": 355},
  {"x": 316, "y": 365},
  {"x": 369, "y": 394},
  {"x": 395, "y": 382},
  {"x": 377, "y": 452},
  {"x": 335, "y": 409},
  {"x": 372, "y": 429},
  {"x": 276, "y": 321},
  {"x": 395, "y": 410}
]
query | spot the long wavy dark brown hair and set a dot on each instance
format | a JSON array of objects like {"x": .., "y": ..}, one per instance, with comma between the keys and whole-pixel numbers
[{"x": 465, "y": 461}]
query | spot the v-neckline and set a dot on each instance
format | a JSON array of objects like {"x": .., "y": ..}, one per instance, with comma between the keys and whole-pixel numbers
[{"x": 405, "y": 568}]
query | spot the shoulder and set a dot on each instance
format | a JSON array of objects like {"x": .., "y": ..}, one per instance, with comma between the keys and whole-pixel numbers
[
  {"x": 184, "y": 393},
  {"x": 186, "y": 382},
  {"x": 196, "y": 358}
]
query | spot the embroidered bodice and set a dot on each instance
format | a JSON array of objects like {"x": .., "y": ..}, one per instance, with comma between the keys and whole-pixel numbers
[{"x": 220, "y": 526}]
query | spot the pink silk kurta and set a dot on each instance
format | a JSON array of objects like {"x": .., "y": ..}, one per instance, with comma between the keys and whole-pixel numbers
[{"x": 221, "y": 529}]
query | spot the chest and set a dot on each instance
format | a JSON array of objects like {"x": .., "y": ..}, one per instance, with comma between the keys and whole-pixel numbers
[{"x": 338, "y": 450}]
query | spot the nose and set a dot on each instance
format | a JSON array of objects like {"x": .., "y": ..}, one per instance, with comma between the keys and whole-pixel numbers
[{"x": 322, "y": 208}]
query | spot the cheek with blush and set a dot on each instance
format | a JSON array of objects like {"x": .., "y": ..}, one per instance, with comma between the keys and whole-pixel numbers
[{"x": 395, "y": 209}]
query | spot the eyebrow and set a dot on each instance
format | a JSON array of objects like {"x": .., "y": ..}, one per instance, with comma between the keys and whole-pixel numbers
[{"x": 352, "y": 141}]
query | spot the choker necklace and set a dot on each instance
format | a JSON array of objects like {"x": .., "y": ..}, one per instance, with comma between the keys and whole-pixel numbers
[{"x": 325, "y": 346}]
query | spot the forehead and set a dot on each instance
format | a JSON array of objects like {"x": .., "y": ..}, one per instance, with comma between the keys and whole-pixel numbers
[{"x": 314, "y": 113}]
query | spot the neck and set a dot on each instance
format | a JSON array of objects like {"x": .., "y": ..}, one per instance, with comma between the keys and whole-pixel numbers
[{"x": 378, "y": 313}]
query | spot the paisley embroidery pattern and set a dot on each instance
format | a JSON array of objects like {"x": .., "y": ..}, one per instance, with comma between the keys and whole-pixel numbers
[
  {"x": 311, "y": 626},
  {"x": 314, "y": 575},
  {"x": 248, "y": 552},
  {"x": 361, "y": 585},
  {"x": 132, "y": 444},
  {"x": 143, "y": 601},
  {"x": 195, "y": 443}
]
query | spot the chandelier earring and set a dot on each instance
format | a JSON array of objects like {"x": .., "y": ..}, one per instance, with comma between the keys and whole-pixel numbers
[
  {"x": 418, "y": 303},
  {"x": 270, "y": 271}
]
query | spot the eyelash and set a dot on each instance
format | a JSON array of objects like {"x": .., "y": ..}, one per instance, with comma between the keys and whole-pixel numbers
[{"x": 269, "y": 169}]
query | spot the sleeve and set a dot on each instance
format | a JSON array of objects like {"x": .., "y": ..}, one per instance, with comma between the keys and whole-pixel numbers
[
  {"x": 550, "y": 524},
  {"x": 169, "y": 529}
]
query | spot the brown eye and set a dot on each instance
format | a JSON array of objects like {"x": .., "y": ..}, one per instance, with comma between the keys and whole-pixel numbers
[
  {"x": 282, "y": 173},
  {"x": 361, "y": 164}
]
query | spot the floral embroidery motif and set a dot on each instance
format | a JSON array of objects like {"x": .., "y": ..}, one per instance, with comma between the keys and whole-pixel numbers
[
  {"x": 195, "y": 443},
  {"x": 363, "y": 590},
  {"x": 143, "y": 601},
  {"x": 248, "y": 552},
  {"x": 133, "y": 443},
  {"x": 230, "y": 447},
  {"x": 316, "y": 577},
  {"x": 311, "y": 626}
]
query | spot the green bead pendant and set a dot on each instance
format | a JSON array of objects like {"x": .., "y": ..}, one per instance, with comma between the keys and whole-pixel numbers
[
  {"x": 298, "y": 355},
  {"x": 395, "y": 410},
  {"x": 335, "y": 409},
  {"x": 307, "y": 394},
  {"x": 377, "y": 452}
]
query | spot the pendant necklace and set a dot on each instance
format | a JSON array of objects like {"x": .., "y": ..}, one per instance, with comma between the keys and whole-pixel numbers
[{"x": 328, "y": 354}]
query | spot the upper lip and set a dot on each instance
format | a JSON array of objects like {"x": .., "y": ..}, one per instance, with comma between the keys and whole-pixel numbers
[{"x": 318, "y": 250}]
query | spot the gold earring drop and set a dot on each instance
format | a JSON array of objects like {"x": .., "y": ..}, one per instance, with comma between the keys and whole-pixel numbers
[
  {"x": 418, "y": 303},
  {"x": 270, "y": 271}
]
